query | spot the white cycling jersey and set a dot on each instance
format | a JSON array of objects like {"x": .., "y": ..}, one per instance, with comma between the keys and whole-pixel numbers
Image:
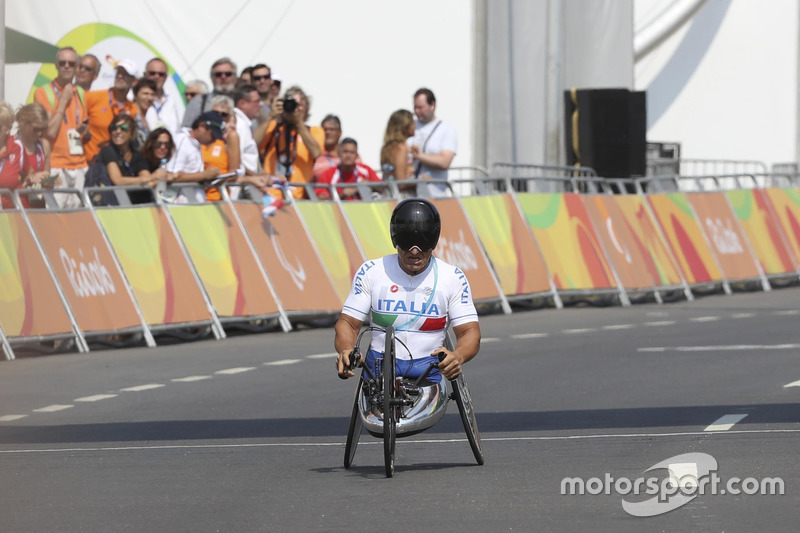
[{"x": 420, "y": 307}]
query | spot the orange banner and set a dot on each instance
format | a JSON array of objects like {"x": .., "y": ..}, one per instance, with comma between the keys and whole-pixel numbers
[
  {"x": 159, "y": 274},
  {"x": 458, "y": 246},
  {"x": 290, "y": 259},
  {"x": 725, "y": 235},
  {"x": 86, "y": 271},
  {"x": 509, "y": 244},
  {"x": 786, "y": 205},
  {"x": 29, "y": 301},
  {"x": 635, "y": 264},
  {"x": 680, "y": 227},
  {"x": 222, "y": 258}
]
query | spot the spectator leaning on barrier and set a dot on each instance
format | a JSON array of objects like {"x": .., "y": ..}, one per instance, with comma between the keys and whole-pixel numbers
[
  {"x": 247, "y": 104},
  {"x": 332, "y": 127},
  {"x": 10, "y": 158},
  {"x": 223, "y": 76},
  {"x": 88, "y": 70},
  {"x": 124, "y": 164},
  {"x": 347, "y": 171},
  {"x": 102, "y": 106},
  {"x": 166, "y": 110},
  {"x": 157, "y": 151},
  {"x": 187, "y": 163},
  {"x": 434, "y": 144},
  {"x": 194, "y": 88},
  {"x": 222, "y": 153},
  {"x": 67, "y": 126},
  {"x": 290, "y": 146}
]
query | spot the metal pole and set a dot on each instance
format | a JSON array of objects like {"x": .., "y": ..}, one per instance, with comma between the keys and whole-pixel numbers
[{"x": 512, "y": 102}]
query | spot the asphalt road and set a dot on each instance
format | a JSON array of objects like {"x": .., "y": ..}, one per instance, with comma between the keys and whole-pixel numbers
[{"x": 247, "y": 434}]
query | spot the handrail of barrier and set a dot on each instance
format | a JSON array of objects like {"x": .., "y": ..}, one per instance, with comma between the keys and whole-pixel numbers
[{"x": 705, "y": 167}]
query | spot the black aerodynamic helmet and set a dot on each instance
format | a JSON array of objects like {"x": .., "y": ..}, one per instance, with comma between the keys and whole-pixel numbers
[{"x": 415, "y": 222}]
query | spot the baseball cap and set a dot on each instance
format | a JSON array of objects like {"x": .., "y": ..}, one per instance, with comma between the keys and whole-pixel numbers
[
  {"x": 129, "y": 66},
  {"x": 276, "y": 76},
  {"x": 214, "y": 122}
]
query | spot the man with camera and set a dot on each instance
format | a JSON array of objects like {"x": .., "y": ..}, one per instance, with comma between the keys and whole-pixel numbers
[{"x": 288, "y": 144}]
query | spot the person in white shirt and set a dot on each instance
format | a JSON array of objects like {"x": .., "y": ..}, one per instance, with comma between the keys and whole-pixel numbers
[
  {"x": 434, "y": 144},
  {"x": 167, "y": 109}
]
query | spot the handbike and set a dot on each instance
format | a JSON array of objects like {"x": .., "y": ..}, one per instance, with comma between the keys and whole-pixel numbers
[{"x": 391, "y": 406}]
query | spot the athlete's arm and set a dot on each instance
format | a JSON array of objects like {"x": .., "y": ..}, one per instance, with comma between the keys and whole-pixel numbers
[
  {"x": 468, "y": 342},
  {"x": 346, "y": 329}
]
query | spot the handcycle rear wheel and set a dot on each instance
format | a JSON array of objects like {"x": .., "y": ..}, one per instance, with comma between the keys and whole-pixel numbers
[
  {"x": 389, "y": 410},
  {"x": 467, "y": 412},
  {"x": 354, "y": 432}
]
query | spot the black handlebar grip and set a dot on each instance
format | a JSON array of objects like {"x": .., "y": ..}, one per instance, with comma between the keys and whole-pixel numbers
[{"x": 441, "y": 356}]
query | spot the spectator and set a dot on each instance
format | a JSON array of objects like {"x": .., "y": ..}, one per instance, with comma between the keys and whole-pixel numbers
[
  {"x": 166, "y": 111},
  {"x": 248, "y": 104},
  {"x": 9, "y": 156},
  {"x": 88, "y": 70},
  {"x": 144, "y": 94},
  {"x": 125, "y": 165},
  {"x": 262, "y": 81},
  {"x": 332, "y": 127},
  {"x": 275, "y": 90},
  {"x": 223, "y": 76},
  {"x": 346, "y": 171},
  {"x": 395, "y": 153},
  {"x": 102, "y": 106},
  {"x": 157, "y": 151},
  {"x": 194, "y": 88},
  {"x": 224, "y": 153},
  {"x": 34, "y": 149},
  {"x": 67, "y": 127},
  {"x": 434, "y": 145},
  {"x": 291, "y": 146},
  {"x": 187, "y": 164},
  {"x": 246, "y": 76}
]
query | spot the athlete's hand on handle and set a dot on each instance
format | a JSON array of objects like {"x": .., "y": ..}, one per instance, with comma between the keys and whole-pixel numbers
[
  {"x": 343, "y": 366},
  {"x": 449, "y": 362}
]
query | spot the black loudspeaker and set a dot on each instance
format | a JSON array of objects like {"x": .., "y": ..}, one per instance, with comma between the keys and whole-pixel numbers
[{"x": 606, "y": 129}]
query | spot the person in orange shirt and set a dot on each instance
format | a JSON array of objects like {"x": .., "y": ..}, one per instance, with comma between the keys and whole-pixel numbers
[
  {"x": 291, "y": 147},
  {"x": 102, "y": 106},
  {"x": 67, "y": 126}
]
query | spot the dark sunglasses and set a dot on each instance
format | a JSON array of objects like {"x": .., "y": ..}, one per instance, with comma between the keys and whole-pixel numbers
[
  {"x": 224, "y": 115},
  {"x": 70, "y": 64},
  {"x": 123, "y": 127},
  {"x": 189, "y": 94},
  {"x": 156, "y": 73},
  {"x": 87, "y": 68},
  {"x": 161, "y": 144},
  {"x": 225, "y": 73},
  {"x": 264, "y": 77}
]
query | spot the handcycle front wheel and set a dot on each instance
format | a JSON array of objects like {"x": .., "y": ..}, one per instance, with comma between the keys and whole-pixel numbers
[
  {"x": 354, "y": 431},
  {"x": 389, "y": 407},
  {"x": 468, "y": 418}
]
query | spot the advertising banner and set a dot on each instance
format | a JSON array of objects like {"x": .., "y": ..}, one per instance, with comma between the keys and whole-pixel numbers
[
  {"x": 370, "y": 221},
  {"x": 509, "y": 244},
  {"x": 335, "y": 243},
  {"x": 786, "y": 206},
  {"x": 288, "y": 255},
  {"x": 158, "y": 272},
  {"x": 222, "y": 258},
  {"x": 29, "y": 302},
  {"x": 84, "y": 266},
  {"x": 763, "y": 231},
  {"x": 725, "y": 235},
  {"x": 682, "y": 231},
  {"x": 569, "y": 244},
  {"x": 458, "y": 246}
]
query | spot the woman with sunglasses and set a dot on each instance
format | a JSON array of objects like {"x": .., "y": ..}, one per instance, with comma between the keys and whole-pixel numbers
[
  {"x": 144, "y": 94},
  {"x": 31, "y": 127},
  {"x": 157, "y": 150},
  {"x": 125, "y": 165}
]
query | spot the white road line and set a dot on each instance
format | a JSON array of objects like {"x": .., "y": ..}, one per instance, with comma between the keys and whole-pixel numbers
[
  {"x": 140, "y": 388},
  {"x": 704, "y": 319},
  {"x": 743, "y": 315},
  {"x": 283, "y": 362},
  {"x": 618, "y": 326},
  {"x": 529, "y": 336},
  {"x": 377, "y": 442},
  {"x": 660, "y": 323},
  {"x": 237, "y": 370},
  {"x": 11, "y": 418},
  {"x": 578, "y": 330},
  {"x": 321, "y": 356},
  {"x": 727, "y": 348},
  {"x": 190, "y": 379},
  {"x": 792, "y": 384},
  {"x": 725, "y": 423},
  {"x": 788, "y": 312},
  {"x": 95, "y": 398},
  {"x": 52, "y": 408},
  {"x": 490, "y": 339}
]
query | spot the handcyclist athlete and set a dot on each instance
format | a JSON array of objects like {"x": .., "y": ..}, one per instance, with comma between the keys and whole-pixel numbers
[{"x": 416, "y": 293}]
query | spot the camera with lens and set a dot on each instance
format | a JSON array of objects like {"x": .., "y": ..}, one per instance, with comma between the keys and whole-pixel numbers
[{"x": 289, "y": 105}]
